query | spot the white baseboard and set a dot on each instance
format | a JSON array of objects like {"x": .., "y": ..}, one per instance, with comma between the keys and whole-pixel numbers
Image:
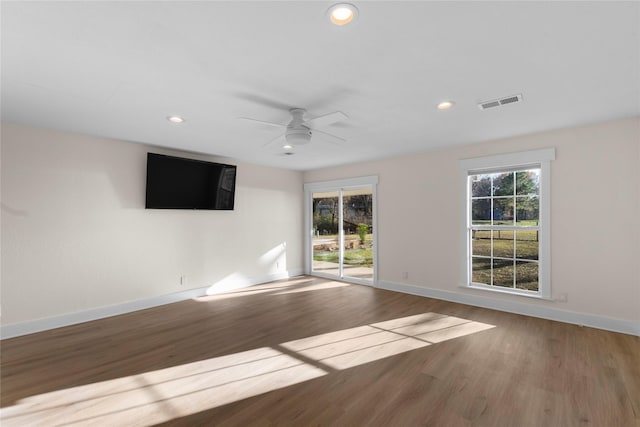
[
  {"x": 582, "y": 319},
  {"x": 39, "y": 325},
  {"x": 594, "y": 321}
]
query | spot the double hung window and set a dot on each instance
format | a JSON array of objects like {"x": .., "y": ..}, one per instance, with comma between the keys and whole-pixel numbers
[{"x": 507, "y": 222}]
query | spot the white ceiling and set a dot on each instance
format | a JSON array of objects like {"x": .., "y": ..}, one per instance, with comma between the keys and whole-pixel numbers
[{"x": 118, "y": 69}]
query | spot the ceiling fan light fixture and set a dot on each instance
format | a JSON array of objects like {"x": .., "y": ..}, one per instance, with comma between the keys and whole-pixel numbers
[
  {"x": 298, "y": 136},
  {"x": 342, "y": 13}
]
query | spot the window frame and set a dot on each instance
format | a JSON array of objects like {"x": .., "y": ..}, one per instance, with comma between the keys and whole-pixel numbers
[{"x": 508, "y": 163}]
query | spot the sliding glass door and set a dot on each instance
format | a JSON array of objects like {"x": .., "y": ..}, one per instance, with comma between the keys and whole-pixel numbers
[
  {"x": 326, "y": 236},
  {"x": 342, "y": 243},
  {"x": 357, "y": 225}
]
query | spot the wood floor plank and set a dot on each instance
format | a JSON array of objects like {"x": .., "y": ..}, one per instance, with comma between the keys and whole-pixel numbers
[{"x": 313, "y": 352}]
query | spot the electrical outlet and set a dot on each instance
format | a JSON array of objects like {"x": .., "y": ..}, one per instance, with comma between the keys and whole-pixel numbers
[
  {"x": 405, "y": 275},
  {"x": 183, "y": 280},
  {"x": 277, "y": 266},
  {"x": 562, "y": 297}
]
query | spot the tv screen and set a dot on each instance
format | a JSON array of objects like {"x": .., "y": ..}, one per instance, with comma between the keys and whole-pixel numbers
[{"x": 178, "y": 183}]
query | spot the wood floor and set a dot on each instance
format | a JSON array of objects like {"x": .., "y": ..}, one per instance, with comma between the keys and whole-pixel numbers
[{"x": 312, "y": 352}]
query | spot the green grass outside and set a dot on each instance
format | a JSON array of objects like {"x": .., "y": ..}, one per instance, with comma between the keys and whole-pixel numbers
[
  {"x": 360, "y": 257},
  {"x": 526, "y": 246},
  {"x": 524, "y": 249},
  {"x": 526, "y": 273}
]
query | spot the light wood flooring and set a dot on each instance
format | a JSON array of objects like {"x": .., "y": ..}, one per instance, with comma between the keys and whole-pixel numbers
[{"x": 312, "y": 352}]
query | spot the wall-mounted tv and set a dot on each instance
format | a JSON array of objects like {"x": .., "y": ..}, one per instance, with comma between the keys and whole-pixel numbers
[{"x": 178, "y": 183}]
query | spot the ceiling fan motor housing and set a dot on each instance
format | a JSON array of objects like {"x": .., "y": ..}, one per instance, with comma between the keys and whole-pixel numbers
[{"x": 298, "y": 136}]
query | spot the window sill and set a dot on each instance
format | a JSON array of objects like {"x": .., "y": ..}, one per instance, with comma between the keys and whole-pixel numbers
[{"x": 493, "y": 289}]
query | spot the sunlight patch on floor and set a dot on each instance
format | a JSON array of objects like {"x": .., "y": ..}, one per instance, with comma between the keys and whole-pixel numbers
[
  {"x": 162, "y": 395},
  {"x": 165, "y": 394},
  {"x": 352, "y": 347}
]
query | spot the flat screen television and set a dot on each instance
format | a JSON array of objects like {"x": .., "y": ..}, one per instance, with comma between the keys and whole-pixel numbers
[{"x": 178, "y": 183}]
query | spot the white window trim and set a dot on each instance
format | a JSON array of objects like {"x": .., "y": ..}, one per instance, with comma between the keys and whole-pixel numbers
[
  {"x": 338, "y": 185},
  {"x": 539, "y": 158}
]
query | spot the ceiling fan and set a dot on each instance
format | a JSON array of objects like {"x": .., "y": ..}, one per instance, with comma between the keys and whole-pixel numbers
[{"x": 300, "y": 130}]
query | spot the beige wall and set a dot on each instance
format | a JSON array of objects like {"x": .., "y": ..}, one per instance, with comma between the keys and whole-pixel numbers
[
  {"x": 76, "y": 236},
  {"x": 595, "y": 216}
]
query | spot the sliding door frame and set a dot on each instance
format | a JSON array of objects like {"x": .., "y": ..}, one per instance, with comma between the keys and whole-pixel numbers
[{"x": 339, "y": 186}]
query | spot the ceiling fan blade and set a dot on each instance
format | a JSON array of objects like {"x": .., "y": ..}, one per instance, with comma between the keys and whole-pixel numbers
[
  {"x": 274, "y": 140},
  {"x": 328, "y": 137},
  {"x": 279, "y": 125},
  {"x": 327, "y": 119},
  {"x": 263, "y": 100}
]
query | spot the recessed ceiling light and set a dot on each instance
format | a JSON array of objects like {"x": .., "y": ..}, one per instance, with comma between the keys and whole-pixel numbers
[
  {"x": 175, "y": 119},
  {"x": 446, "y": 105},
  {"x": 287, "y": 146},
  {"x": 342, "y": 13}
]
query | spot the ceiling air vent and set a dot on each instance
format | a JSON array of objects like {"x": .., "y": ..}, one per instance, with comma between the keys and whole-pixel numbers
[{"x": 499, "y": 102}]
